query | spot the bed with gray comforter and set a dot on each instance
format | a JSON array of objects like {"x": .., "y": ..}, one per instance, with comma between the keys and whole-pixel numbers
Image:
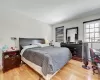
[{"x": 50, "y": 58}]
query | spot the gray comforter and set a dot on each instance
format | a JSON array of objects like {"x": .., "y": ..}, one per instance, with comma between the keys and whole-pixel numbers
[{"x": 51, "y": 59}]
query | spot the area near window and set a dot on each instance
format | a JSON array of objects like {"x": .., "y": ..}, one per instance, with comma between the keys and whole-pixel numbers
[{"x": 92, "y": 31}]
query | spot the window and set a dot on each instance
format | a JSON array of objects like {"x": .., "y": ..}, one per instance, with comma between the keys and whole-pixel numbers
[{"x": 92, "y": 31}]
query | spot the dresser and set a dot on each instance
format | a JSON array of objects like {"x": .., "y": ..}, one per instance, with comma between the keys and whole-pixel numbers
[
  {"x": 11, "y": 59},
  {"x": 76, "y": 50}
]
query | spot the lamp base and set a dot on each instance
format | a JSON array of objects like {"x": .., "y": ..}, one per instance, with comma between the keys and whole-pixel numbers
[{"x": 86, "y": 67}]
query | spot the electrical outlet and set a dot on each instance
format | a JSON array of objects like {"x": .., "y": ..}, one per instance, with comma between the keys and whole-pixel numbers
[{"x": 0, "y": 66}]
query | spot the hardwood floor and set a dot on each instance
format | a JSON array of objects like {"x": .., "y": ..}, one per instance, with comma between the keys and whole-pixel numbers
[{"x": 71, "y": 71}]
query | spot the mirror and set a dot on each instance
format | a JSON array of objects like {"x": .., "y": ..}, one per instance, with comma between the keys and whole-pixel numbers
[{"x": 72, "y": 34}]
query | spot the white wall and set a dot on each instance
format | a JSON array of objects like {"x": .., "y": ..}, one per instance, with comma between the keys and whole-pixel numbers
[
  {"x": 75, "y": 23},
  {"x": 14, "y": 24}
]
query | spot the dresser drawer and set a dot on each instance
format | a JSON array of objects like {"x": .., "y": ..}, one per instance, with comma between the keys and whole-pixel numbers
[{"x": 9, "y": 61}]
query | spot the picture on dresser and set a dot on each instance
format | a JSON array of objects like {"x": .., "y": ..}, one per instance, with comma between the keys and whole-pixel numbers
[
  {"x": 59, "y": 34},
  {"x": 72, "y": 34}
]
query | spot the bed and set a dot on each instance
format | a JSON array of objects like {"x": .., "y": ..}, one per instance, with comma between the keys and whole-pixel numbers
[{"x": 46, "y": 60}]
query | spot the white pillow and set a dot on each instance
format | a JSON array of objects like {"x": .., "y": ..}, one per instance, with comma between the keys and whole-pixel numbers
[
  {"x": 31, "y": 46},
  {"x": 43, "y": 45}
]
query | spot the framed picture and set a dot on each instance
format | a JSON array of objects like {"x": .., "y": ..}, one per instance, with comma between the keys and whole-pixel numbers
[{"x": 59, "y": 34}]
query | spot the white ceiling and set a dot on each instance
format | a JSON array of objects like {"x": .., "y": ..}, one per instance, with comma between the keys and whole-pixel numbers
[{"x": 52, "y": 11}]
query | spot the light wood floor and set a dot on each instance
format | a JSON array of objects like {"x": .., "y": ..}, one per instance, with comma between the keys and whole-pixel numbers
[{"x": 71, "y": 71}]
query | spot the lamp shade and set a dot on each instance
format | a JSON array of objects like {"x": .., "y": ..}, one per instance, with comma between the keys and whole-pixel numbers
[{"x": 46, "y": 41}]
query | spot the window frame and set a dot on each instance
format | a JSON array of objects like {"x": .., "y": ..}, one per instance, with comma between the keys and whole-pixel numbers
[{"x": 84, "y": 30}]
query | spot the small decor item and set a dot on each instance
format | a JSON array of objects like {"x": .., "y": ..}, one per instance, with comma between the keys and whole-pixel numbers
[
  {"x": 4, "y": 48},
  {"x": 60, "y": 34},
  {"x": 69, "y": 39},
  {"x": 76, "y": 38},
  {"x": 51, "y": 43},
  {"x": 79, "y": 41}
]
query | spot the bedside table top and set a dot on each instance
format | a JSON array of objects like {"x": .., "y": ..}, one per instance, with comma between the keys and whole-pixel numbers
[{"x": 10, "y": 51}]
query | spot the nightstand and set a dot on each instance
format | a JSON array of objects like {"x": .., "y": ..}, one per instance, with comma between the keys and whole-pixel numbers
[{"x": 10, "y": 60}]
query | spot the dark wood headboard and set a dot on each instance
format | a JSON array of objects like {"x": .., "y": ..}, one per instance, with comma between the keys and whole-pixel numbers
[{"x": 30, "y": 41}]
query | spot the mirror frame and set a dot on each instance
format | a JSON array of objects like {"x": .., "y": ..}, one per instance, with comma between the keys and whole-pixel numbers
[{"x": 71, "y": 29}]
